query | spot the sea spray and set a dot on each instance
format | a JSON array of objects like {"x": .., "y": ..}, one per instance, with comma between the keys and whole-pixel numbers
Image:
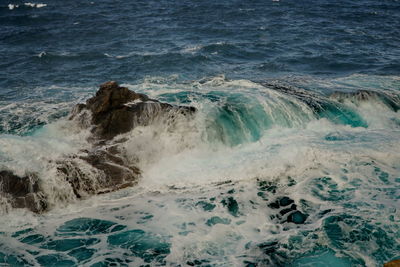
[{"x": 204, "y": 199}]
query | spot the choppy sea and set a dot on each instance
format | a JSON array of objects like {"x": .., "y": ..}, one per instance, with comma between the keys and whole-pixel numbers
[{"x": 293, "y": 158}]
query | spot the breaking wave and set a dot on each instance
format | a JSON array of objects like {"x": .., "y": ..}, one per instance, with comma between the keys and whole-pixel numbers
[{"x": 214, "y": 188}]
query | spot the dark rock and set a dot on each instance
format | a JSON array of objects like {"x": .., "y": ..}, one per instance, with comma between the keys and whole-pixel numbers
[
  {"x": 118, "y": 173},
  {"x": 78, "y": 108},
  {"x": 110, "y": 172},
  {"x": 360, "y": 95},
  {"x": 108, "y": 97},
  {"x": 117, "y": 110},
  {"x": 311, "y": 99},
  {"x": 318, "y": 103},
  {"x": 102, "y": 168},
  {"x": 390, "y": 99},
  {"x": 18, "y": 186},
  {"x": 22, "y": 192}
]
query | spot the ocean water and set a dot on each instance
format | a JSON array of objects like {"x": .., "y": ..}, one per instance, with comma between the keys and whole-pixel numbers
[{"x": 293, "y": 158}]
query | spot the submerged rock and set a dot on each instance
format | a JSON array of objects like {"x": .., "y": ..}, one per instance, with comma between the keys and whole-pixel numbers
[{"x": 103, "y": 168}]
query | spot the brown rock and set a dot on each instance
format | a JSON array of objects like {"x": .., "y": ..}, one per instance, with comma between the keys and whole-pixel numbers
[
  {"x": 360, "y": 95},
  {"x": 116, "y": 110},
  {"x": 22, "y": 192},
  {"x": 110, "y": 172},
  {"x": 389, "y": 99},
  {"x": 118, "y": 173},
  {"x": 394, "y": 263},
  {"x": 110, "y": 96},
  {"x": 113, "y": 110}
]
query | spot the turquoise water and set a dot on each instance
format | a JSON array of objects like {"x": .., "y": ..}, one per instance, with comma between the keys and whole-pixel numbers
[
  {"x": 293, "y": 158},
  {"x": 259, "y": 177}
]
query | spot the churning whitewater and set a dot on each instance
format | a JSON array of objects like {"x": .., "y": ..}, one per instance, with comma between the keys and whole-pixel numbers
[
  {"x": 200, "y": 133},
  {"x": 266, "y": 173}
]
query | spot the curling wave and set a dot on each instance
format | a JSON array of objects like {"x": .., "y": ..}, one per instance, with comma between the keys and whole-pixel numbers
[{"x": 263, "y": 173}]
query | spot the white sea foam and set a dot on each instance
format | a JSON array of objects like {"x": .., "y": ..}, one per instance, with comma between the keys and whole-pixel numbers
[
  {"x": 192, "y": 49},
  {"x": 129, "y": 55},
  {"x": 35, "y": 5},
  {"x": 171, "y": 194},
  {"x": 12, "y": 6},
  {"x": 167, "y": 152},
  {"x": 188, "y": 147},
  {"x": 28, "y": 4},
  {"x": 322, "y": 166},
  {"x": 42, "y": 54}
]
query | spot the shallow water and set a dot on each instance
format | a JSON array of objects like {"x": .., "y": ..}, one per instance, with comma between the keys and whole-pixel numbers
[{"x": 283, "y": 164}]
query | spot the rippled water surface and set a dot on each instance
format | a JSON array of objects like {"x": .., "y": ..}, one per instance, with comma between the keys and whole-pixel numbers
[{"x": 293, "y": 158}]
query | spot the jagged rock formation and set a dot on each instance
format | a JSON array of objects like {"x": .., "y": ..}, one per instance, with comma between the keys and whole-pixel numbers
[
  {"x": 112, "y": 111},
  {"x": 116, "y": 110},
  {"x": 388, "y": 98},
  {"x": 393, "y": 263},
  {"x": 22, "y": 192}
]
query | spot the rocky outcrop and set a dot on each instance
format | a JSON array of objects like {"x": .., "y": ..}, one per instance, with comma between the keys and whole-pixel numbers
[
  {"x": 394, "y": 263},
  {"x": 319, "y": 102},
  {"x": 114, "y": 110},
  {"x": 22, "y": 192},
  {"x": 390, "y": 99},
  {"x": 360, "y": 95},
  {"x": 109, "y": 172},
  {"x": 117, "y": 110}
]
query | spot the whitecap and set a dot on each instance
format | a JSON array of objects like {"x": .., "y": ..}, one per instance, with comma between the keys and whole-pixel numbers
[
  {"x": 329, "y": 166},
  {"x": 12, "y": 6},
  {"x": 35, "y": 5},
  {"x": 124, "y": 56},
  {"x": 192, "y": 49}
]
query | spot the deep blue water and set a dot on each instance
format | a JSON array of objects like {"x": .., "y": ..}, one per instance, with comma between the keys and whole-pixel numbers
[
  {"x": 276, "y": 121},
  {"x": 87, "y": 42}
]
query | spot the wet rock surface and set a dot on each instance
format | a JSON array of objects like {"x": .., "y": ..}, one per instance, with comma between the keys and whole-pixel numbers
[
  {"x": 108, "y": 173},
  {"x": 390, "y": 99},
  {"x": 319, "y": 103},
  {"x": 117, "y": 110},
  {"x": 103, "y": 168},
  {"x": 393, "y": 263},
  {"x": 22, "y": 191}
]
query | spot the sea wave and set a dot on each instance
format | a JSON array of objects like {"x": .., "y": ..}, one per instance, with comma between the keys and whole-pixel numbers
[
  {"x": 233, "y": 116},
  {"x": 211, "y": 186},
  {"x": 28, "y": 4}
]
